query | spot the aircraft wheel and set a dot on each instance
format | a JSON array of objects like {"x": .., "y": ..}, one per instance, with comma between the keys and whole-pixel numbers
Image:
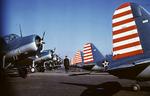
[
  {"x": 32, "y": 69},
  {"x": 136, "y": 87}
]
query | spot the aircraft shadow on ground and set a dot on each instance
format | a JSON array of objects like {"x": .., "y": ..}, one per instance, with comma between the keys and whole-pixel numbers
[
  {"x": 103, "y": 89},
  {"x": 13, "y": 75}
]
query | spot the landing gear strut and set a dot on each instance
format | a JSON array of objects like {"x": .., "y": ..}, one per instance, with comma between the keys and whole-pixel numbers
[{"x": 33, "y": 67}]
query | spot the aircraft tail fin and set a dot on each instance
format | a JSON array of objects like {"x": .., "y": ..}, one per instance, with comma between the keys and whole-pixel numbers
[
  {"x": 130, "y": 29},
  {"x": 92, "y": 55},
  {"x": 77, "y": 59},
  {"x": 88, "y": 55}
]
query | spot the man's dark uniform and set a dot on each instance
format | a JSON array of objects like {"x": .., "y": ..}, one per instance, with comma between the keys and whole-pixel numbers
[{"x": 66, "y": 64}]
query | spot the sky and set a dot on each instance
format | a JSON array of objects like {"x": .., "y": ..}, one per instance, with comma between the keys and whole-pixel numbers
[{"x": 68, "y": 24}]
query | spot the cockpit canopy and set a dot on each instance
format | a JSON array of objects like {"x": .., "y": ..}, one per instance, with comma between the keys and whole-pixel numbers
[{"x": 10, "y": 37}]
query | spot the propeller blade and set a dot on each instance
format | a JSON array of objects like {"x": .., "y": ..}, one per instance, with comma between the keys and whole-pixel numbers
[
  {"x": 54, "y": 49},
  {"x": 43, "y": 36}
]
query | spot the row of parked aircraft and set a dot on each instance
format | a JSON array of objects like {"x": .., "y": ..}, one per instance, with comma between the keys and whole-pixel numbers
[
  {"x": 26, "y": 53},
  {"x": 89, "y": 58},
  {"x": 130, "y": 58},
  {"x": 131, "y": 47}
]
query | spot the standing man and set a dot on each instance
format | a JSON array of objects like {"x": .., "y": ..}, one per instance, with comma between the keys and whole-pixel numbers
[{"x": 66, "y": 64}]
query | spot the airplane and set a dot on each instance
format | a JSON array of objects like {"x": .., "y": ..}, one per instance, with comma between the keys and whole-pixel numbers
[
  {"x": 46, "y": 58},
  {"x": 38, "y": 62},
  {"x": 16, "y": 48},
  {"x": 131, "y": 44},
  {"x": 77, "y": 59},
  {"x": 56, "y": 62},
  {"x": 89, "y": 58}
]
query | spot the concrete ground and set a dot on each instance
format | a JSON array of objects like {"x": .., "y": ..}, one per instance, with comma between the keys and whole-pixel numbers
[{"x": 68, "y": 84}]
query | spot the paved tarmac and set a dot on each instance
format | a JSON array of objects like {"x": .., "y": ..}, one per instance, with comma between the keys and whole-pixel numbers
[{"x": 68, "y": 84}]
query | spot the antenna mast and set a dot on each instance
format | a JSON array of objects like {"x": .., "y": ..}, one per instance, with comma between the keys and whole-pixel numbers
[{"x": 20, "y": 30}]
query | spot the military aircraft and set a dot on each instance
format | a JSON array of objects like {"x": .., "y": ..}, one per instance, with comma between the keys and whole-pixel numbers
[
  {"x": 89, "y": 58},
  {"x": 55, "y": 63},
  {"x": 131, "y": 44},
  {"x": 38, "y": 62},
  {"x": 17, "y": 48},
  {"x": 46, "y": 58}
]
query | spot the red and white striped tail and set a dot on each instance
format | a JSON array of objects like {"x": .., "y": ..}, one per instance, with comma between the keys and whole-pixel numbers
[
  {"x": 126, "y": 41},
  {"x": 77, "y": 58},
  {"x": 88, "y": 56}
]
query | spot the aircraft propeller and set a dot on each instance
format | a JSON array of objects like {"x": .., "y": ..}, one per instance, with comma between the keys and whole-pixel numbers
[
  {"x": 39, "y": 43},
  {"x": 42, "y": 39}
]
